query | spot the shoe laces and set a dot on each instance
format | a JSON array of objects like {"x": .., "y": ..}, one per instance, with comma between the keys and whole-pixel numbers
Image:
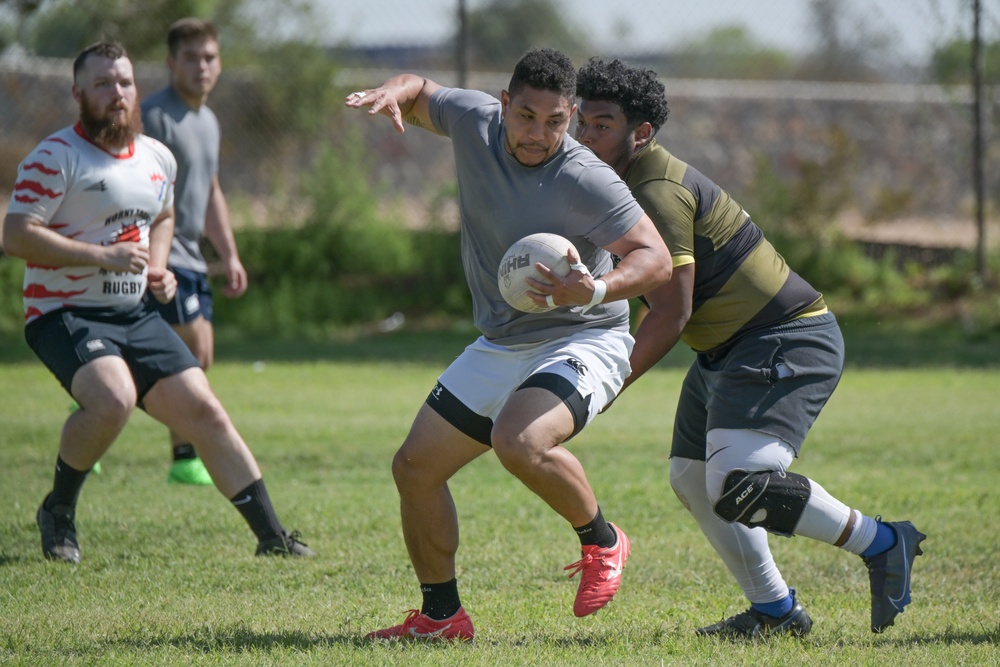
[
  {"x": 583, "y": 565},
  {"x": 293, "y": 538},
  {"x": 408, "y": 623}
]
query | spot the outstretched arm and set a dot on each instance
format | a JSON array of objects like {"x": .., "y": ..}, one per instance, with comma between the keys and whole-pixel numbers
[{"x": 402, "y": 98}]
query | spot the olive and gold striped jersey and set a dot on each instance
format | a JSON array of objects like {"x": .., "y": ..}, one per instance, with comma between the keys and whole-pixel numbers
[{"x": 741, "y": 284}]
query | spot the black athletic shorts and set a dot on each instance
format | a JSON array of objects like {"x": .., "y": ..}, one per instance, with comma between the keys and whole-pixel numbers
[
  {"x": 774, "y": 381},
  {"x": 67, "y": 339},
  {"x": 193, "y": 299}
]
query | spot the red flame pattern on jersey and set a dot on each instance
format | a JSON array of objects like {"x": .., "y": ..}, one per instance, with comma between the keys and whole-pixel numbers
[
  {"x": 36, "y": 291},
  {"x": 37, "y": 188},
  {"x": 42, "y": 168}
]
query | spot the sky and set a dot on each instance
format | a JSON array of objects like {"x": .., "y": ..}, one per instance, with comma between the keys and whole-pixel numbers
[{"x": 915, "y": 26}]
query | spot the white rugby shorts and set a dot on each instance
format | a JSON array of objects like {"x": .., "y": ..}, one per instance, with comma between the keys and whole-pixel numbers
[{"x": 595, "y": 361}]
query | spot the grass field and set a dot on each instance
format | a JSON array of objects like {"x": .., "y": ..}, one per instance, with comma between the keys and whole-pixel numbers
[{"x": 168, "y": 575}]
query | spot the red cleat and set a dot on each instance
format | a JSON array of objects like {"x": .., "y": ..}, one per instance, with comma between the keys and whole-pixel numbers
[
  {"x": 602, "y": 574},
  {"x": 421, "y": 627}
]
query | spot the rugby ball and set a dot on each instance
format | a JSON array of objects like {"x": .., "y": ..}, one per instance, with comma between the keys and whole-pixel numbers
[{"x": 519, "y": 261}]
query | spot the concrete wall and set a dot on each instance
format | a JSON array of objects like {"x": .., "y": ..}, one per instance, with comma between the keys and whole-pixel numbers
[{"x": 912, "y": 144}]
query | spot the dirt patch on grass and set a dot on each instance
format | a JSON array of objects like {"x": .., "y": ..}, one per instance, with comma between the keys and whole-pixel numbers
[{"x": 947, "y": 233}]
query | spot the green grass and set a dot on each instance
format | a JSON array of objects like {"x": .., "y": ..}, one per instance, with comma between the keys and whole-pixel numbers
[{"x": 169, "y": 578}]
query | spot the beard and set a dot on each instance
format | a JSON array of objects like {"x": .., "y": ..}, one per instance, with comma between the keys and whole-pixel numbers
[{"x": 105, "y": 132}]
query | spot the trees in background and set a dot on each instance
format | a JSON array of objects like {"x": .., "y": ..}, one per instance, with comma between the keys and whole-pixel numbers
[
  {"x": 951, "y": 63},
  {"x": 62, "y": 29},
  {"x": 502, "y": 30}
]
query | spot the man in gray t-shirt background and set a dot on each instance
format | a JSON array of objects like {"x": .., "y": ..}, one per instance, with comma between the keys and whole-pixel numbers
[{"x": 178, "y": 117}]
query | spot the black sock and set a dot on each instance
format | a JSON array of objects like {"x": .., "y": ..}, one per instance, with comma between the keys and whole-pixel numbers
[
  {"x": 66, "y": 485},
  {"x": 440, "y": 600},
  {"x": 255, "y": 506},
  {"x": 597, "y": 532},
  {"x": 184, "y": 452}
]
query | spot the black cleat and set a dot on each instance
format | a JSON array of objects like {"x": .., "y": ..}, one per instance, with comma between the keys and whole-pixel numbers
[
  {"x": 751, "y": 624},
  {"x": 58, "y": 533},
  {"x": 889, "y": 574},
  {"x": 286, "y": 544}
]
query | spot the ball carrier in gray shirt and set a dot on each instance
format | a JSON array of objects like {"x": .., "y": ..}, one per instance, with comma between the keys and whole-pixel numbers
[
  {"x": 502, "y": 200},
  {"x": 532, "y": 381}
]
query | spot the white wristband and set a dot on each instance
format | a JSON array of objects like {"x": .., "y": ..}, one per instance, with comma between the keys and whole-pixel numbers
[{"x": 600, "y": 291}]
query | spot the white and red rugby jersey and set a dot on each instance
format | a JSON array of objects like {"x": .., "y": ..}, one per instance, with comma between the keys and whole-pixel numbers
[{"x": 85, "y": 193}]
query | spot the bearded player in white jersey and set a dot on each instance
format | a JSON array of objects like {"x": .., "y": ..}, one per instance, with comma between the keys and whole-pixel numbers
[{"x": 92, "y": 215}]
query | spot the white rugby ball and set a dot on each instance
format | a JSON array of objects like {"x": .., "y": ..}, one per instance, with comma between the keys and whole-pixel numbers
[{"x": 519, "y": 263}]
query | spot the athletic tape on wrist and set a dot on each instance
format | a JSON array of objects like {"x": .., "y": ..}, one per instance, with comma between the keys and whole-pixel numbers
[{"x": 600, "y": 291}]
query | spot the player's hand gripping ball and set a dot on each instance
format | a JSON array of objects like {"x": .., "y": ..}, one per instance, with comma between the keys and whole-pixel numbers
[{"x": 519, "y": 263}]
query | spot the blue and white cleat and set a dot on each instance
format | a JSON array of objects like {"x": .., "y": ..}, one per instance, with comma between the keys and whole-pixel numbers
[{"x": 889, "y": 574}]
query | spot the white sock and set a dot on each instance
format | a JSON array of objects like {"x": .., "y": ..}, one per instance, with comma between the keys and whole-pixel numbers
[
  {"x": 824, "y": 517},
  {"x": 863, "y": 534}
]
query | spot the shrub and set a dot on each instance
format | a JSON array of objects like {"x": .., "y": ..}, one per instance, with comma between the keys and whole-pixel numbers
[
  {"x": 797, "y": 212},
  {"x": 11, "y": 308}
]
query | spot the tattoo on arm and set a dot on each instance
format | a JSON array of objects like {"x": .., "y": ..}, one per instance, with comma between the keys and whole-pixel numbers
[{"x": 412, "y": 119}]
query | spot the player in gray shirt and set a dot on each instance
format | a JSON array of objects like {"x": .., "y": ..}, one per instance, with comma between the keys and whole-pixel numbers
[
  {"x": 531, "y": 381},
  {"x": 178, "y": 117}
]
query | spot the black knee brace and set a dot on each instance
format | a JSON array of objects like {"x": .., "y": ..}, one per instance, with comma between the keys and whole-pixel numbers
[{"x": 769, "y": 499}]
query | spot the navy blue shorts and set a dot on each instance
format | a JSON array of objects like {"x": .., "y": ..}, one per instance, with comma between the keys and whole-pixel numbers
[
  {"x": 67, "y": 339},
  {"x": 193, "y": 299},
  {"x": 774, "y": 381}
]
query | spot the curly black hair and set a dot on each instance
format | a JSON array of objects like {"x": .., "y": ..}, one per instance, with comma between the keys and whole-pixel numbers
[
  {"x": 544, "y": 69},
  {"x": 635, "y": 89}
]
